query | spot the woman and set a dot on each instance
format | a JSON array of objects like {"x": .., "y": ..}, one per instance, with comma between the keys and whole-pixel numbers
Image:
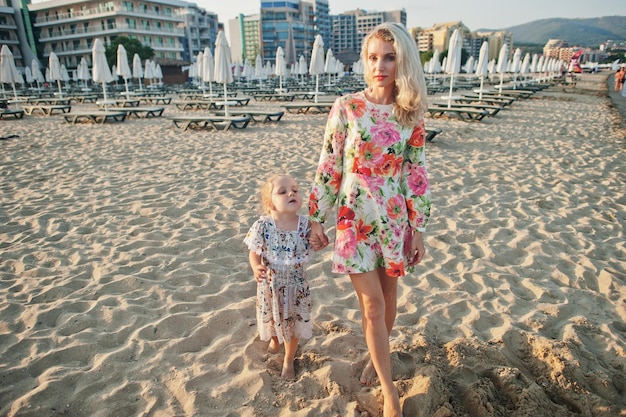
[{"x": 373, "y": 166}]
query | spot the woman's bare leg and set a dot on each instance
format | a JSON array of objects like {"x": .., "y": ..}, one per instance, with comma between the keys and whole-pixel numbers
[
  {"x": 390, "y": 291},
  {"x": 372, "y": 299}
]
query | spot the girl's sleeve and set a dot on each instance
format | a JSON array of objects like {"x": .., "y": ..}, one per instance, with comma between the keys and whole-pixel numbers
[
  {"x": 415, "y": 179},
  {"x": 254, "y": 238},
  {"x": 330, "y": 167}
]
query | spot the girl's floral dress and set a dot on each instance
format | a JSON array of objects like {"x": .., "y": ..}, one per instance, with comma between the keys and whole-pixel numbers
[
  {"x": 283, "y": 299},
  {"x": 375, "y": 170}
]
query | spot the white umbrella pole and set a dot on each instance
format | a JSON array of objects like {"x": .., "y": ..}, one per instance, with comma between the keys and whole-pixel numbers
[
  {"x": 501, "y": 82},
  {"x": 317, "y": 81},
  {"x": 126, "y": 83},
  {"x": 104, "y": 91},
  {"x": 60, "y": 91},
  {"x": 225, "y": 100},
  {"x": 451, "y": 86},
  {"x": 14, "y": 90},
  {"x": 482, "y": 79}
]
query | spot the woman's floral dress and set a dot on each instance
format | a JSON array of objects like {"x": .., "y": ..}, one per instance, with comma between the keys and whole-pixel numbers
[
  {"x": 375, "y": 170},
  {"x": 283, "y": 299}
]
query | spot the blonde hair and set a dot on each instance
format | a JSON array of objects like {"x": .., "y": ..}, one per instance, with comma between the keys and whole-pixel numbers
[
  {"x": 411, "y": 101},
  {"x": 266, "y": 192}
]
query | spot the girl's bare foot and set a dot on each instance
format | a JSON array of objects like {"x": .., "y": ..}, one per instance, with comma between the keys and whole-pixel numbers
[
  {"x": 289, "y": 371},
  {"x": 274, "y": 346},
  {"x": 391, "y": 405},
  {"x": 368, "y": 375}
]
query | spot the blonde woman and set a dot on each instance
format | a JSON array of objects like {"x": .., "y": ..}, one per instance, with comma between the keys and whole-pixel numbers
[{"x": 373, "y": 167}]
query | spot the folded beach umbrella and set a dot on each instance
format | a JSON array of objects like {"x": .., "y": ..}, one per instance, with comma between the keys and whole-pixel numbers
[
  {"x": 54, "y": 66},
  {"x": 316, "y": 66},
  {"x": 138, "y": 70},
  {"x": 501, "y": 67},
  {"x": 8, "y": 71},
  {"x": 122, "y": 68},
  {"x": 148, "y": 72},
  {"x": 329, "y": 64},
  {"x": 28, "y": 73},
  {"x": 223, "y": 73},
  {"x": 100, "y": 71},
  {"x": 482, "y": 68},
  {"x": 258, "y": 68},
  {"x": 37, "y": 74},
  {"x": 83, "y": 71},
  {"x": 516, "y": 65},
  {"x": 453, "y": 63},
  {"x": 208, "y": 69},
  {"x": 281, "y": 67}
]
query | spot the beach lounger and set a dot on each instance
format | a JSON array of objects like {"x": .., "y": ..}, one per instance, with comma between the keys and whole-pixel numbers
[
  {"x": 154, "y": 100},
  {"x": 17, "y": 114},
  {"x": 431, "y": 133},
  {"x": 257, "y": 116},
  {"x": 216, "y": 122},
  {"x": 195, "y": 104},
  {"x": 466, "y": 114},
  {"x": 301, "y": 108},
  {"x": 95, "y": 117},
  {"x": 459, "y": 103},
  {"x": 46, "y": 110},
  {"x": 143, "y": 112}
]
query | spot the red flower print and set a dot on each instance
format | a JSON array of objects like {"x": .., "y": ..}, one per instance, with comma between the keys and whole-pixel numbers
[
  {"x": 396, "y": 207},
  {"x": 356, "y": 106},
  {"x": 390, "y": 165},
  {"x": 395, "y": 269},
  {"x": 363, "y": 230},
  {"x": 417, "y": 137},
  {"x": 371, "y": 155},
  {"x": 345, "y": 216}
]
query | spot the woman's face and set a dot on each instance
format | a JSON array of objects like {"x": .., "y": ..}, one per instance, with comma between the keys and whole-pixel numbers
[{"x": 381, "y": 62}]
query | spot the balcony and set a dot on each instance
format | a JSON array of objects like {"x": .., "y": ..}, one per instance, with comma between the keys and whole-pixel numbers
[
  {"x": 97, "y": 13},
  {"x": 81, "y": 32}
]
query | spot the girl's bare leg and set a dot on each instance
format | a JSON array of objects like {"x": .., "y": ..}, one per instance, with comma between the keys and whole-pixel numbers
[
  {"x": 369, "y": 289},
  {"x": 289, "y": 371},
  {"x": 274, "y": 346}
]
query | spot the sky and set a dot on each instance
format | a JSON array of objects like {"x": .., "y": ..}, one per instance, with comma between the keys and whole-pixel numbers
[{"x": 483, "y": 14}]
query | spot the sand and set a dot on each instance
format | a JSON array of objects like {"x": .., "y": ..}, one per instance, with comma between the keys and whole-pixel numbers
[{"x": 125, "y": 288}]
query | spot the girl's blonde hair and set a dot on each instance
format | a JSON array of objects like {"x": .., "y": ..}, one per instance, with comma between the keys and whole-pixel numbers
[
  {"x": 410, "y": 102},
  {"x": 266, "y": 192}
]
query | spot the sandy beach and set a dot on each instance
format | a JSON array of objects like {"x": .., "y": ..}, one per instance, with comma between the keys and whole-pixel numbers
[{"x": 125, "y": 288}]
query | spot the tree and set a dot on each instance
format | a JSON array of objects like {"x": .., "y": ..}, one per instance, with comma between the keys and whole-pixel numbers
[{"x": 132, "y": 46}]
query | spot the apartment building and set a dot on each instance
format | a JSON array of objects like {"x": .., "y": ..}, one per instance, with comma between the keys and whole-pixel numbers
[
  {"x": 13, "y": 33},
  {"x": 174, "y": 29},
  {"x": 349, "y": 28}
]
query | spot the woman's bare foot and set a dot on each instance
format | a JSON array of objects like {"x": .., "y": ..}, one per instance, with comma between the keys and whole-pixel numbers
[
  {"x": 368, "y": 375},
  {"x": 289, "y": 371},
  {"x": 274, "y": 346}
]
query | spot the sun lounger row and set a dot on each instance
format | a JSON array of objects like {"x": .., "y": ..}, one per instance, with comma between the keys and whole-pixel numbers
[
  {"x": 46, "y": 110},
  {"x": 17, "y": 114},
  {"x": 210, "y": 121}
]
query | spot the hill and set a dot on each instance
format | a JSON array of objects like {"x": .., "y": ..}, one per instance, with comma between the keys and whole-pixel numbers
[{"x": 583, "y": 32}]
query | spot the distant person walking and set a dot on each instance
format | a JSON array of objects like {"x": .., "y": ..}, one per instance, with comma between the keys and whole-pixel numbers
[{"x": 620, "y": 74}]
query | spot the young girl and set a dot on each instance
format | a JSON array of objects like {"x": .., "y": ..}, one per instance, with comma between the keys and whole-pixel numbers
[{"x": 279, "y": 247}]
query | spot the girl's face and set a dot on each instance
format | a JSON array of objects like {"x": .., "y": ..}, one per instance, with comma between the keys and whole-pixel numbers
[
  {"x": 381, "y": 62},
  {"x": 286, "y": 197}
]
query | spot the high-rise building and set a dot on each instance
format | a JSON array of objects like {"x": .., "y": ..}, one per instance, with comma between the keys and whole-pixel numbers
[
  {"x": 349, "y": 29},
  {"x": 13, "y": 33},
  {"x": 290, "y": 24}
]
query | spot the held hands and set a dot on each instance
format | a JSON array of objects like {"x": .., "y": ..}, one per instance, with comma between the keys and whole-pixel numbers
[
  {"x": 416, "y": 249},
  {"x": 260, "y": 272},
  {"x": 318, "y": 238}
]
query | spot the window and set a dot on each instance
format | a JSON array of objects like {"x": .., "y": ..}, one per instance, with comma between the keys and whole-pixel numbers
[{"x": 131, "y": 23}]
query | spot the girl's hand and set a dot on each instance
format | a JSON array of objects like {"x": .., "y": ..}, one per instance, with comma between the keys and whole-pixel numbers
[
  {"x": 416, "y": 249},
  {"x": 260, "y": 272},
  {"x": 318, "y": 238}
]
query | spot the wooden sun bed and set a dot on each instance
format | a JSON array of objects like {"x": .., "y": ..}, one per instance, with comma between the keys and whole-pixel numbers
[
  {"x": 213, "y": 121},
  {"x": 46, "y": 110},
  {"x": 153, "y": 99},
  {"x": 301, "y": 108},
  {"x": 17, "y": 114},
  {"x": 95, "y": 117},
  {"x": 466, "y": 114},
  {"x": 487, "y": 99}
]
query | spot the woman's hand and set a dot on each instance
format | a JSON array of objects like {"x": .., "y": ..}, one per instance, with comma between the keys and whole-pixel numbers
[
  {"x": 416, "y": 249},
  {"x": 318, "y": 238},
  {"x": 260, "y": 272}
]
